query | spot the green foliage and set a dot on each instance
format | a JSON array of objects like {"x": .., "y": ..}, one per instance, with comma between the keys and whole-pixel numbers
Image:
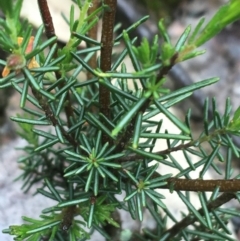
[
  {"x": 147, "y": 54},
  {"x": 225, "y": 15},
  {"x": 234, "y": 124},
  {"x": 11, "y": 27},
  {"x": 27, "y": 133},
  {"x": 80, "y": 27},
  {"x": 83, "y": 151}
]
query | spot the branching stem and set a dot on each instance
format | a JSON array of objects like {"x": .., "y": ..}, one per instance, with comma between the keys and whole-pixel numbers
[
  {"x": 190, "y": 219},
  {"x": 180, "y": 147},
  {"x": 122, "y": 143},
  {"x": 50, "y": 32},
  {"x": 199, "y": 185}
]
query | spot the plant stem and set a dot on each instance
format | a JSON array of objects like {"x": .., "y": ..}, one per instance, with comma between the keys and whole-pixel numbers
[
  {"x": 106, "y": 57},
  {"x": 190, "y": 219},
  {"x": 50, "y": 32},
  {"x": 122, "y": 143},
  {"x": 47, "y": 18},
  {"x": 180, "y": 147},
  {"x": 199, "y": 185}
]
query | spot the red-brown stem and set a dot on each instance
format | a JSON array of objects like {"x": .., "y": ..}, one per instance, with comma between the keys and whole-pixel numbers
[
  {"x": 199, "y": 185},
  {"x": 106, "y": 56},
  {"x": 50, "y": 32},
  {"x": 47, "y": 18}
]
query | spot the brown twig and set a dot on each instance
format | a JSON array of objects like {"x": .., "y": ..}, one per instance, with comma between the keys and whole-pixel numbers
[
  {"x": 190, "y": 219},
  {"x": 47, "y": 18},
  {"x": 50, "y": 32},
  {"x": 106, "y": 57},
  {"x": 199, "y": 185},
  {"x": 180, "y": 147},
  {"x": 167, "y": 151}
]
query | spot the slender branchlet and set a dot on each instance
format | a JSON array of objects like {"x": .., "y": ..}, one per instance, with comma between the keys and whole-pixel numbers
[
  {"x": 190, "y": 219},
  {"x": 124, "y": 139},
  {"x": 179, "y": 147}
]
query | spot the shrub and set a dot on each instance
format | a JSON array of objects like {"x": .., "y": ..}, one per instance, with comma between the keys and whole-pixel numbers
[{"x": 103, "y": 136}]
